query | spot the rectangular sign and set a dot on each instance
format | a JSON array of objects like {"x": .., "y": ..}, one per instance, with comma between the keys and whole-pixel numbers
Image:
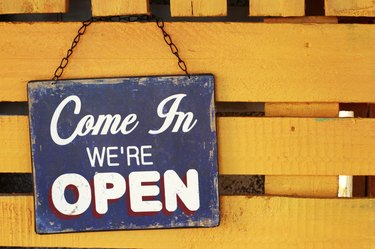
[{"x": 124, "y": 153}]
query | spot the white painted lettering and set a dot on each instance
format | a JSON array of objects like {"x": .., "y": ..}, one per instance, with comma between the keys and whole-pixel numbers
[
  {"x": 134, "y": 155},
  {"x": 87, "y": 125},
  {"x": 95, "y": 156},
  {"x": 110, "y": 155},
  {"x": 107, "y": 123},
  {"x": 143, "y": 188},
  {"x": 144, "y": 154},
  {"x": 55, "y": 118},
  {"x": 103, "y": 193},
  {"x": 58, "y": 194},
  {"x": 185, "y": 119},
  {"x": 137, "y": 191},
  {"x": 188, "y": 194},
  {"x": 128, "y": 120}
]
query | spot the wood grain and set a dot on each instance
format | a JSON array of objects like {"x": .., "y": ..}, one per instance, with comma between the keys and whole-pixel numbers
[
  {"x": 349, "y": 7},
  {"x": 329, "y": 110},
  {"x": 301, "y": 186},
  {"x": 308, "y": 186},
  {"x": 246, "y": 222},
  {"x": 15, "y": 149},
  {"x": 198, "y": 8},
  {"x": 251, "y": 62},
  {"x": 277, "y": 8},
  {"x": 119, "y": 7},
  {"x": 32, "y": 6},
  {"x": 249, "y": 146}
]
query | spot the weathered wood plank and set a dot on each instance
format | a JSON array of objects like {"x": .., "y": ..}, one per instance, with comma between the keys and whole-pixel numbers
[
  {"x": 277, "y": 8},
  {"x": 32, "y": 6},
  {"x": 245, "y": 222},
  {"x": 265, "y": 146},
  {"x": 15, "y": 149},
  {"x": 198, "y": 8},
  {"x": 308, "y": 186},
  {"x": 329, "y": 110},
  {"x": 349, "y": 7},
  {"x": 296, "y": 146},
  {"x": 119, "y": 7},
  {"x": 302, "y": 186},
  {"x": 309, "y": 66}
]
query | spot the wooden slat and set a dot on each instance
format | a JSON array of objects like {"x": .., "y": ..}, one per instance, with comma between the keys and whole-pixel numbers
[
  {"x": 15, "y": 144},
  {"x": 303, "y": 186},
  {"x": 119, "y": 7},
  {"x": 265, "y": 146},
  {"x": 349, "y": 8},
  {"x": 251, "y": 62},
  {"x": 32, "y": 6},
  {"x": 328, "y": 110},
  {"x": 256, "y": 222},
  {"x": 277, "y": 8},
  {"x": 198, "y": 8},
  {"x": 308, "y": 186},
  {"x": 296, "y": 146}
]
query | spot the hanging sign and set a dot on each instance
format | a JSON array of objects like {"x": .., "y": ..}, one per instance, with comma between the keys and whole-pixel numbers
[{"x": 124, "y": 153}]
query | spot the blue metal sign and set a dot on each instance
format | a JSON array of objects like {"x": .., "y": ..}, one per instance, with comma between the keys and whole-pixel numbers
[{"x": 124, "y": 153}]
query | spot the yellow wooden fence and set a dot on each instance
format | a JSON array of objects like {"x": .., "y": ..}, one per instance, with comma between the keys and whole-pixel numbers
[
  {"x": 193, "y": 7},
  {"x": 302, "y": 72}
]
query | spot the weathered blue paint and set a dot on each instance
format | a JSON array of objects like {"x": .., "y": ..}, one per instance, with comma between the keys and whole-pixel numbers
[{"x": 178, "y": 151}]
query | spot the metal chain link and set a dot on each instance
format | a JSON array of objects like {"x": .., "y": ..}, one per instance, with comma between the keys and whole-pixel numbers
[{"x": 139, "y": 18}]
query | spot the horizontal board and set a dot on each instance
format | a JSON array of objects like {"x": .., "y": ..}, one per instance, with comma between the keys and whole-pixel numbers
[
  {"x": 15, "y": 152},
  {"x": 254, "y": 222},
  {"x": 32, "y": 6},
  {"x": 304, "y": 186},
  {"x": 329, "y": 110},
  {"x": 277, "y": 7},
  {"x": 198, "y": 8},
  {"x": 349, "y": 8},
  {"x": 257, "y": 62},
  {"x": 265, "y": 146},
  {"x": 297, "y": 146},
  {"x": 119, "y": 7}
]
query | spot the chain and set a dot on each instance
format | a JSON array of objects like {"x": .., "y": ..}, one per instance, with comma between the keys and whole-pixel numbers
[{"x": 139, "y": 18}]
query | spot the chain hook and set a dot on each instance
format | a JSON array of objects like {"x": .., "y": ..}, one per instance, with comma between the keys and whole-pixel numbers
[{"x": 81, "y": 31}]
